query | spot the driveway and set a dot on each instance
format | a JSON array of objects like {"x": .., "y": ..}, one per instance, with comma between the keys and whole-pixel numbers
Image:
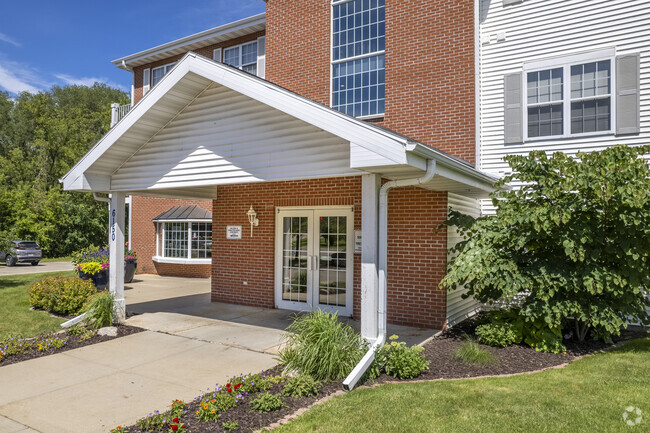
[
  {"x": 27, "y": 268},
  {"x": 190, "y": 345}
]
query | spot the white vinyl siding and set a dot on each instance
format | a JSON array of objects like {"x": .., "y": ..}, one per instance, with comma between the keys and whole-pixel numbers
[
  {"x": 458, "y": 308},
  {"x": 543, "y": 31},
  {"x": 230, "y": 138}
]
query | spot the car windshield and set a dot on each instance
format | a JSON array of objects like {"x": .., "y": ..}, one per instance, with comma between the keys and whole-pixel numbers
[{"x": 28, "y": 245}]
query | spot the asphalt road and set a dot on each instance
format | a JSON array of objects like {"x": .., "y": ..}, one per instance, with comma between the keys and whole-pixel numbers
[{"x": 27, "y": 268}]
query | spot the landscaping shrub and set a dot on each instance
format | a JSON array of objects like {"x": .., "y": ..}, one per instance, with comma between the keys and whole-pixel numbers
[
  {"x": 99, "y": 310},
  {"x": 301, "y": 386},
  {"x": 61, "y": 295},
  {"x": 471, "y": 353},
  {"x": 398, "y": 360},
  {"x": 571, "y": 243},
  {"x": 230, "y": 425},
  {"x": 267, "y": 402},
  {"x": 320, "y": 346},
  {"x": 497, "y": 334}
]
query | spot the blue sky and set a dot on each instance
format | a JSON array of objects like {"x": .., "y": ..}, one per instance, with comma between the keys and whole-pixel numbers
[{"x": 58, "y": 42}]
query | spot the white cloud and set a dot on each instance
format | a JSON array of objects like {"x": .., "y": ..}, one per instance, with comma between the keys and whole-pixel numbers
[
  {"x": 16, "y": 78},
  {"x": 87, "y": 81},
  {"x": 7, "y": 39}
]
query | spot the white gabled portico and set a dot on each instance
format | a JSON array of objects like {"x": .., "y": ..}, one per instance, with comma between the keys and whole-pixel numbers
[{"x": 207, "y": 124}]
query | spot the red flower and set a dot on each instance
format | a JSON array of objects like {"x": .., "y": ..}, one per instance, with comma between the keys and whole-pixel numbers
[
  {"x": 174, "y": 427},
  {"x": 183, "y": 426},
  {"x": 238, "y": 385},
  {"x": 227, "y": 385},
  {"x": 229, "y": 390},
  {"x": 175, "y": 420}
]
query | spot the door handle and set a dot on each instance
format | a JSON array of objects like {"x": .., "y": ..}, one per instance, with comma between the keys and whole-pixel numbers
[{"x": 309, "y": 263}]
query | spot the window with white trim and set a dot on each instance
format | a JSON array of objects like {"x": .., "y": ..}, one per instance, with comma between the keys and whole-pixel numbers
[
  {"x": 159, "y": 72},
  {"x": 242, "y": 56},
  {"x": 185, "y": 240},
  {"x": 569, "y": 100},
  {"x": 358, "y": 55}
]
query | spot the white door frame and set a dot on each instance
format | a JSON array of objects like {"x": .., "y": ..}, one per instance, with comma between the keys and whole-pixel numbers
[{"x": 313, "y": 263}]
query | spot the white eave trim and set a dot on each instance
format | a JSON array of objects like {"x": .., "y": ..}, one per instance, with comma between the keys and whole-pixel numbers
[
  {"x": 178, "y": 261},
  {"x": 243, "y": 24}
]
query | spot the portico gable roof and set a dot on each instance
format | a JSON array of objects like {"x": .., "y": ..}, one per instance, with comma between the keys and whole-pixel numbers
[{"x": 206, "y": 124}]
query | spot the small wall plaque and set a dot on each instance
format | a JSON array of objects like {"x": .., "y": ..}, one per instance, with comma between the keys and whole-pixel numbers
[
  {"x": 233, "y": 232},
  {"x": 357, "y": 241}
]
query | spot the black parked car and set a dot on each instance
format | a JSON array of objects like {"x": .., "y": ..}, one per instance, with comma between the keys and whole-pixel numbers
[{"x": 22, "y": 252}]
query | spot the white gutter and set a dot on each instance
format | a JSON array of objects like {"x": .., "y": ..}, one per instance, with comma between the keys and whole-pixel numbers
[
  {"x": 104, "y": 199},
  {"x": 358, "y": 371}
]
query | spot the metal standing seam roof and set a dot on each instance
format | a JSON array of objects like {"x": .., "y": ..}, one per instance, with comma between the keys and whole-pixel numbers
[{"x": 185, "y": 213}]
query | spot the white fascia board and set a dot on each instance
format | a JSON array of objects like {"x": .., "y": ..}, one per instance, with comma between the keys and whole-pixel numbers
[
  {"x": 453, "y": 168},
  {"x": 243, "y": 24},
  {"x": 87, "y": 182}
]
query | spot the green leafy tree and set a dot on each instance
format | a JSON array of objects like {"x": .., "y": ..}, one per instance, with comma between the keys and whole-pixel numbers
[
  {"x": 41, "y": 137},
  {"x": 572, "y": 242}
]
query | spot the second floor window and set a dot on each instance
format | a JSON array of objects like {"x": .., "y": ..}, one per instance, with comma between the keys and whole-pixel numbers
[
  {"x": 582, "y": 105},
  {"x": 358, "y": 43},
  {"x": 159, "y": 72},
  {"x": 243, "y": 57}
]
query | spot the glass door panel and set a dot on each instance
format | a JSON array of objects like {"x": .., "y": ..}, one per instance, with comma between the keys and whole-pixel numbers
[
  {"x": 295, "y": 256},
  {"x": 332, "y": 258}
]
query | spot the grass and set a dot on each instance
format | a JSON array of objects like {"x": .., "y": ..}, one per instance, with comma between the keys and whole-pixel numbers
[
  {"x": 586, "y": 396},
  {"x": 56, "y": 259},
  {"x": 471, "y": 353},
  {"x": 16, "y": 318}
]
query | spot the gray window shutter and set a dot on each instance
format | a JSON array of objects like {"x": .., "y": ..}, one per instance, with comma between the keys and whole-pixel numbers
[
  {"x": 511, "y": 2},
  {"x": 513, "y": 115},
  {"x": 627, "y": 94},
  {"x": 216, "y": 55},
  {"x": 261, "y": 56}
]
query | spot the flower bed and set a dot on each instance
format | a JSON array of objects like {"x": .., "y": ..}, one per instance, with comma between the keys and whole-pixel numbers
[{"x": 15, "y": 349}]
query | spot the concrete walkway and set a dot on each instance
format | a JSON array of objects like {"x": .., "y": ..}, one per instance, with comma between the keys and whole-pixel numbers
[
  {"x": 27, "y": 268},
  {"x": 190, "y": 345}
]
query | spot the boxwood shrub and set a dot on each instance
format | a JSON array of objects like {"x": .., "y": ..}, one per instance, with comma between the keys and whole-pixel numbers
[{"x": 61, "y": 295}]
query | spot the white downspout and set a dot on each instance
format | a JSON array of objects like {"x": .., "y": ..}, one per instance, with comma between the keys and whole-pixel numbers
[{"x": 367, "y": 359}]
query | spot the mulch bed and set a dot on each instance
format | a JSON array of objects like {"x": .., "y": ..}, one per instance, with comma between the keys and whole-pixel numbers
[
  {"x": 440, "y": 350},
  {"x": 73, "y": 342}
]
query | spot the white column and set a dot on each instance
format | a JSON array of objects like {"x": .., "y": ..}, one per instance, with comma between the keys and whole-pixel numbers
[
  {"x": 116, "y": 236},
  {"x": 114, "y": 107},
  {"x": 370, "y": 185}
]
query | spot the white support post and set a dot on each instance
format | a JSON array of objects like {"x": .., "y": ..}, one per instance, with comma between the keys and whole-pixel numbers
[
  {"x": 114, "y": 108},
  {"x": 370, "y": 185},
  {"x": 116, "y": 269}
]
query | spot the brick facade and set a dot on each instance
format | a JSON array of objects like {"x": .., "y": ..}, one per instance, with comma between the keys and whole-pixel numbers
[
  {"x": 143, "y": 236},
  {"x": 243, "y": 271}
]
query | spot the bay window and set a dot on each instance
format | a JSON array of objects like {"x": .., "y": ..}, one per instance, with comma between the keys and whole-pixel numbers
[{"x": 184, "y": 240}]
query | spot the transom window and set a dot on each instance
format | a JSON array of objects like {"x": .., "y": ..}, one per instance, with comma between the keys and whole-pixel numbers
[
  {"x": 185, "y": 240},
  {"x": 358, "y": 43},
  {"x": 557, "y": 108},
  {"x": 159, "y": 72},
  {"x": 243, "y": 57}
]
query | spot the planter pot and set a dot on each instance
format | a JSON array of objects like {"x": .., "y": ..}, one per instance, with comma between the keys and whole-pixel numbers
[
  {"x": 130, "y": 267},
  {"x": 100, "y": 279}
]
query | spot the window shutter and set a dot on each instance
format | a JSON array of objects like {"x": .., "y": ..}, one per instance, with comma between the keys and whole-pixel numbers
[
  {"x": 627, "y": 94},
  {"x": 146, "y": 81},
  {"x": 513, "y": 115},
  {"x": 261, "y": 56},
  {"x": 216, "y": 55},
  {"x": 511, "y": 2}
]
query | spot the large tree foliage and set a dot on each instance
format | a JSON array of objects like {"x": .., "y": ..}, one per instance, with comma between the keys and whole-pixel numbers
[
  {"x": 41, "y": 136},
  {"x": 572, "y": 242}
]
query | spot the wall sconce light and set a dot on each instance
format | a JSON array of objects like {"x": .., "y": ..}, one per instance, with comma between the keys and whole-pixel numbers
[{"x": 252, "y": 218}]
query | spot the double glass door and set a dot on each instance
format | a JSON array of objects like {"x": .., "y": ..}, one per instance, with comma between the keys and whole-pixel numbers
[{"x": 314, "y": 252}]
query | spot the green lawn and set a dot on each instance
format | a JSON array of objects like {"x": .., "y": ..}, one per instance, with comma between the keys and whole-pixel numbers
[
  {"x": 56, "y": 259},
  {"x": 16, "y": 318},
  {"x": 587, "y": 396}
]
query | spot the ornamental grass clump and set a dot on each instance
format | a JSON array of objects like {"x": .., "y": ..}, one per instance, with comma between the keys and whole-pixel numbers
[
  {"x": 99, "y": 310},
  {"x": 471, "y": 353},
  {"x": 320, "y": 346}
]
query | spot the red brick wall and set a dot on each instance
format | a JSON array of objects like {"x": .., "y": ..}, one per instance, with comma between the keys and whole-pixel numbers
[
  {"x": 429, "y": 65},
  {"x": 143, "y": 236},
  {"x": 417, "y": 252},
  {"x": 205, "y": 51}
]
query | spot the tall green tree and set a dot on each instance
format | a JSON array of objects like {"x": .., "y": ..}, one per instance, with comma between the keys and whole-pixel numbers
[
  {"x": 41, "y": 137},
  {"x": 572, "y": 242}
]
